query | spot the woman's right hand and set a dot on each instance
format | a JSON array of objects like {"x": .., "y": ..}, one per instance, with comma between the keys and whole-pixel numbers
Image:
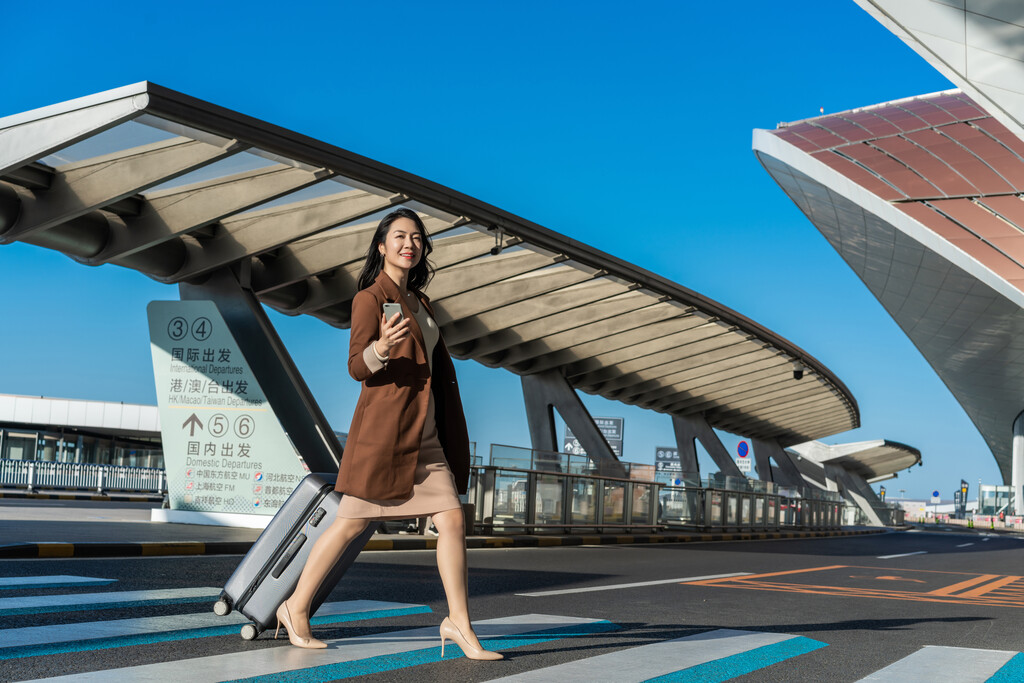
[{"x": 392, "y": 332}]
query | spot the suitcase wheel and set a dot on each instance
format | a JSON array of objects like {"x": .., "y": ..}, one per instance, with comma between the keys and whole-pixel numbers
[
  {"x": 222, "y": 608},
  {"x": 250, "y": 632}
]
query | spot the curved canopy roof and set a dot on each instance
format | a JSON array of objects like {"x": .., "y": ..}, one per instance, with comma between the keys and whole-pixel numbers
[
  {"x": 157, "y": 181},
  {"x": 924, "y": 199},
  {"x": 870, "y": 459}
]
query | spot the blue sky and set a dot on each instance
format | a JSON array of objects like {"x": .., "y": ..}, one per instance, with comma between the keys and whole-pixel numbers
[{"x": 626, "y": 127}]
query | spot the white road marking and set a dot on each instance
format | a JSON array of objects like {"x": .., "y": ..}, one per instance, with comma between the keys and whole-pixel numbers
[
  {"x": 939, "y": 664},
  {"x": 617, "y": 586},
  {"x": 275, "y": 660},
  {"x": 889, "y": 557},
  {"x": 16, "y": 582},
  {"x": 636, "y": 664},
  {"x": 34, "y": 604},
  {"x": 67, "y": 633},
  {"x": 964, "y": 545}
]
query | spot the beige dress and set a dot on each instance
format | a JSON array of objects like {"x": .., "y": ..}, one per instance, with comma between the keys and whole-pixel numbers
[{"x": 434, "y": 486}]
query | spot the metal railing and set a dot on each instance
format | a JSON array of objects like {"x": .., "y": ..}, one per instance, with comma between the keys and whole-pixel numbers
[
  {"x": 515, "y": 499},
  {"x": 33, "y": 474}
]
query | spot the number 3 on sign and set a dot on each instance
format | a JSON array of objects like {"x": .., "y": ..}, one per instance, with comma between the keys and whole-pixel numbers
[
  {"x": 244, "y": 426},
  {"x": 177, "y": 329}
]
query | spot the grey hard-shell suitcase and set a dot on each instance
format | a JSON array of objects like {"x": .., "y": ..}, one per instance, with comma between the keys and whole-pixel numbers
[{"x": 269, "y": 571}]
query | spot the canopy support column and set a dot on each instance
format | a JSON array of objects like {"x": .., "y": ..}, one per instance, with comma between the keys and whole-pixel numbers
[
  {"x": 1017, "y": 471},
  {"x": 545, "y": 391},
  {"x": 690, "y": 427},
  {"x": 286, "y": 391},
  {"x": 787, "y": 473},
  {"x": 857, "y": 491}
]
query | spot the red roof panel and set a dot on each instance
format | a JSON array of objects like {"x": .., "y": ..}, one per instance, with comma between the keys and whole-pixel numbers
[
  {"x": 989, "y": 257},
  {"x": 977, "y": 219},
  {"x": 819, "y": 136},
  {"x": 876, "y": 125},
  {"x": 909, "y": 182},
  {"x": 1013, "y": 246},
  {"x": 797, "y": 140},
  {"x": 966, "y": 164},
  {"x": 1003, "y": 161},
  {"x": 1009, "y": 207},
  {"x": 960, "y": 106},
  {"x": 926, "y": 164},
  {"x": 999, "y": 132},
  {"x": 901, "y": 118},
  {"x": 845, "y": 129},
  {"x": 858, "y": 174},
  {"x": 934, "y": 221},
  {"x": 928, "y": 111}
]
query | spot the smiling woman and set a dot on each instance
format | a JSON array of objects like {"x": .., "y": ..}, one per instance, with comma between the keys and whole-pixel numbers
[{"x": 407, "y": 453}]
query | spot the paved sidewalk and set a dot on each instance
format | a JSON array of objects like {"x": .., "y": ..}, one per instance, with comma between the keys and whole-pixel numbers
[{"x": 39, "y": 528}]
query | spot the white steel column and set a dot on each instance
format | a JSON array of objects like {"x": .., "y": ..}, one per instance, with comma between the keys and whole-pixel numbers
[{"x": 1017, "y": 471}]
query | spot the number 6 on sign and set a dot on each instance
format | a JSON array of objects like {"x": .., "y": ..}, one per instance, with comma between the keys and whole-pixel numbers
[{"x": 244, "y": 426}]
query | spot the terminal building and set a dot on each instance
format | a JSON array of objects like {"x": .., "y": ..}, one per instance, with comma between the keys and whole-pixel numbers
[
  {"x": 923, "y": 197},
  {"x": 71, "y": 431}
]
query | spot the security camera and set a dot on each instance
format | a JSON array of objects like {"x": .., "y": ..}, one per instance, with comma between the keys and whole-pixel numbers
[
  {"x": 798, "y": 370},
  {"x": 499, "y": 240}
]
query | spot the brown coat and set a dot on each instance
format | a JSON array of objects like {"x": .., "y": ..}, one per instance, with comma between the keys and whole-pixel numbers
[{"x": 383, "y": 444}]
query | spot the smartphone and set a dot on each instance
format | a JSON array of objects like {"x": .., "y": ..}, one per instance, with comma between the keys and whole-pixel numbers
[{"x": 391, "y": 309}]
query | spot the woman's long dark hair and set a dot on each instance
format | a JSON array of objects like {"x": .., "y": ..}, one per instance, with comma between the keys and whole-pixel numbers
[{"x": 420, "y": 274}]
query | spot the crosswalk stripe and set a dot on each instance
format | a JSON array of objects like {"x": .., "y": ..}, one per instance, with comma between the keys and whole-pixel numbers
[
  {"x": 1011, "y": 672},
  {"x": 739, "y": 665},
  {"x": 430, "y": 655},
  {"x": 732, "y": 653},
  {"x": 35, "y": 641},
  {"x": 59, "y": 581},
  {"x": 346, "y": 657},
  {"x": 934, "y": 663},
  {"x": 38, "y": 604}
]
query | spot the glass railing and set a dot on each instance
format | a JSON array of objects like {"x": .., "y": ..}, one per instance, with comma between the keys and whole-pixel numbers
[{"x": 507, "y": 499}]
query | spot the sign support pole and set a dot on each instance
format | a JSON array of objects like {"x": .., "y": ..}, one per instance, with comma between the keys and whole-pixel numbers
[{"x": 286, "y": 391}]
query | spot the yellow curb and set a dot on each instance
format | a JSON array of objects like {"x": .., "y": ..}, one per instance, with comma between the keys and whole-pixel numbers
[
  {"x": 548, "y": 541},
  {"x": 56, "y": 549},
  {"x": 495, "y": 542},
  {"x": 379, "y": 544},
  {"x": 590, "y": 540},
  {"x": 431, "y": 543}
]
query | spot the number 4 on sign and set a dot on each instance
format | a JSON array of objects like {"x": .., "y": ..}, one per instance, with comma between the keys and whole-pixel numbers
[{"x": 194, "y": 422}]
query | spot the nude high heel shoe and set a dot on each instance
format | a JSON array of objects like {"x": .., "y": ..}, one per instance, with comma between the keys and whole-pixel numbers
[
  {"x": 284, "y": 617},
  {"x": 450, "y": 631}
]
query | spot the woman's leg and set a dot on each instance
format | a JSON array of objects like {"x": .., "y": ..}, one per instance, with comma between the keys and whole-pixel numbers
[
  {"x": 324, "y": 554},
  {"x": 451, "y": 564}
]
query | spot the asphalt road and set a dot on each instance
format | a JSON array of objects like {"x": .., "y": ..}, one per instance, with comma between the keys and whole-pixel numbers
[{"x": 860, "y": 603}]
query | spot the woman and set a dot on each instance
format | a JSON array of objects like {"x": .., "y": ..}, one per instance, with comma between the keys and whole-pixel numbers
[{"x": 407, "y": 453}]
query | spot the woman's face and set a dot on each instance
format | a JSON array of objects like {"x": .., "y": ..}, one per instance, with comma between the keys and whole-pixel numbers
[{"x": 403, "y": 246}]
